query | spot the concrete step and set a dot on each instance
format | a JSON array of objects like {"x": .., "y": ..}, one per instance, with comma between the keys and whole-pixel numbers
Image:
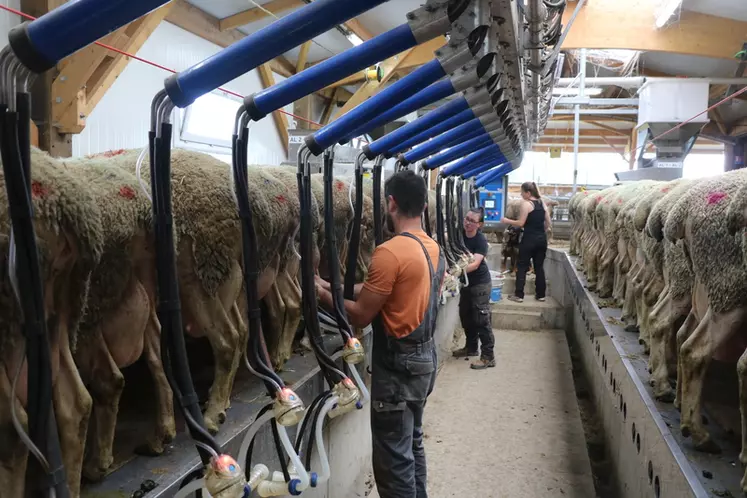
[
  {"x": 529, "y": 315},
  {"x": 517, "y": 320},
  {"x": 530, "y": 287}
]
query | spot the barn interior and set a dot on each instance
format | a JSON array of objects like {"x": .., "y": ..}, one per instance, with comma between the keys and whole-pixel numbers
[{"x": 178, "y": 175}]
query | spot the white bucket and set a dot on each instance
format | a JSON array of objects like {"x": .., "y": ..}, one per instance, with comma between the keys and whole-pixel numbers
[{"x": 496, "y": 281}]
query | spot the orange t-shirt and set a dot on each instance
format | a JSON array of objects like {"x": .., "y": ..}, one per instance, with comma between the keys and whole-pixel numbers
[{"x": 399, "y": 270}]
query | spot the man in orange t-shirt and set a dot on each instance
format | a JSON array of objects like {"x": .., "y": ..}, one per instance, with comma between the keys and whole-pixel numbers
[{"x": 400, "y": 299}]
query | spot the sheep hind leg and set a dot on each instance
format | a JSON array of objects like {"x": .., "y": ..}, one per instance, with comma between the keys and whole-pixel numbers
[
  {"x": 713, "y": 331},
  {"x": 106, "y": 384},
  {"x": 682, "y": 335},
  {"x": 290, "y": 292},
  {"x": 72, "y": 405},
  {"x": 661, "y": 323},
  {"x": 165, "y": 428},
  {"x": 13, "y": 454}
]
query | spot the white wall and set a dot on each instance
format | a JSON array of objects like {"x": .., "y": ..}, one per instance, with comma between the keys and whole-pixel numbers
[
  {"x": 8, "y": 20},
  {"x": 122, "y": 118},
  {"x": 599, "y": 168}
]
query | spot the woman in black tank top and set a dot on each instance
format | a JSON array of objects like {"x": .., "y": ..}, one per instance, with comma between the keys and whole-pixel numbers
[{"x": 535, "y": 220}]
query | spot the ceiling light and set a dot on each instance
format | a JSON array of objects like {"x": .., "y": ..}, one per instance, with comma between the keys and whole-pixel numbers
[
  {"x": 665, "y": 12},
  {"x": 354, "y": 39},
  {"x": 564, "y": 91}
]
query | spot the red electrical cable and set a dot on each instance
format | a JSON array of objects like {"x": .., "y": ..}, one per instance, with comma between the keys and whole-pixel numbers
[{"x": 146, "y": 61}]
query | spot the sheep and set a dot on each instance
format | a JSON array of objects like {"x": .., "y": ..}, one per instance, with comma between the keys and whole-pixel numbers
[
  {"x": 69, "y": 236},
  {"x": 594, "y": 243},
  {"x": 121, "y": 323},
  {"x": 209, "y": 258},
  {"x": 699, "y": 218},
  {"x": 577, "y": 225},
  {"x": 675, "y": 310}
]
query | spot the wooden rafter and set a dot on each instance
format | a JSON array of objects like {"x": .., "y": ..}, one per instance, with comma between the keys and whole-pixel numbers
[
  {"x": 86, "y": 76},
  {"x": 598, "y": 25},
  {"x": 355, "y": 26},
  {"x": 190, "y": 18},
  {"x": 302, "y": 56},
  {"x": 389, "y": 67},
  {"x": 255, "y": 13},
  {"x": 281, "y": 123},
  {"x": 328, "y": 108}
]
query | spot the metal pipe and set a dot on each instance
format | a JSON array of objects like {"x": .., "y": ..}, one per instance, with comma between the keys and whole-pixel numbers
[
  {"x": 461, "y": 150},
  {"x": 577, "y": 118},
  {"x": 462, "y": 133},
  {"x": 259, "y": 47},
  {"x": 638, "y": 81},
  {"x": 598, "y": 111},
  {"x": 480, "y": 153},
  {"x": 595, "y": 102}
]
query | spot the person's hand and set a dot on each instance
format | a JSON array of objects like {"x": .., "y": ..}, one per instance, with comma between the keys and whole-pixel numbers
[{"x": 504, "y": 220}]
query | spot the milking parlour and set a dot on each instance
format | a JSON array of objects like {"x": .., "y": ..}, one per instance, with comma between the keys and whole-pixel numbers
[{"x": 371, "y": 248}]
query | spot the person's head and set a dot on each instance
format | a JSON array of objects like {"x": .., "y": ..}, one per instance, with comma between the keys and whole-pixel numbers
[
  {"x": 528, "y": 190},
  {"x": 473, "y": 220},
  {"x": 406, "y": 197}
]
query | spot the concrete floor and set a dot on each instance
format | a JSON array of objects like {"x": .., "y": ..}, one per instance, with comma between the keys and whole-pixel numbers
[{"x": 513, "y": 431}]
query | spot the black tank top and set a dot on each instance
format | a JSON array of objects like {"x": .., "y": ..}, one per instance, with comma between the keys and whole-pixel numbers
[{"x": 535, "y": 224}]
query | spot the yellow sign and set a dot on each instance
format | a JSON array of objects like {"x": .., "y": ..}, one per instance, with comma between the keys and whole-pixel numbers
[{"x": 555, "y": 152}]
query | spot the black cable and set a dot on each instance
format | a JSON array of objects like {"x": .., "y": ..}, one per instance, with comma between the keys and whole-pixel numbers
[
  {"x": 426, "y": 212},
  {"x": 378, "y": 221},
  {"x": 249, "y": 253},
  {"x": 308, "y": 288},
  {"x": 279, "y": 448},
  {"x": 173, "y": 350},
  {"x": 440, "y": 228},
  {"x": 248, "y": 462},
  {"x": 14, "y": 150},
  {"x": 338, "y": 301},
  {"x": 355, "y": 237}
]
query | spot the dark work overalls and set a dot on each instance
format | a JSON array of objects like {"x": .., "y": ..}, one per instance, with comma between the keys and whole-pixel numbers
[
  {"x": 533, "y": 246},
  {"x": 403, "y": 375}
]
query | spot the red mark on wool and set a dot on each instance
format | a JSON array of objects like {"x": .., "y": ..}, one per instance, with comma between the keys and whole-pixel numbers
[
  {"x": 715, "y": 197},
  {"x": 112, "y": 153},
  {"x": 665, "y": 190},
  {"x": 619, "y": 201},
  {"x": 339, "y": 185},
  {"x": 280, "y": 199},
  {"x": 38, "y": 190},
  {"x": 599, "y": 199},
  {"x": 127, "y": 192}
]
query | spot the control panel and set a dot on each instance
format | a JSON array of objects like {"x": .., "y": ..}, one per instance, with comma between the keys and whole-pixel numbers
[{"x": 493, "y": 199}]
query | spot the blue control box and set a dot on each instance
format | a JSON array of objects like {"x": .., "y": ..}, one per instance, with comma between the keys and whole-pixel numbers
[{"x": 493, "y": 200}]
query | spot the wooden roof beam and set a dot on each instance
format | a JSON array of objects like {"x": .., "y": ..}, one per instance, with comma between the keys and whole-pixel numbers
[
  {"x": 190, "y": 18},
  {"x": 598, "y": 25},
  {"x": 255, "y": 13},
  {"x": 281, "y": 122},
  {"x": 86, "y": 76}
]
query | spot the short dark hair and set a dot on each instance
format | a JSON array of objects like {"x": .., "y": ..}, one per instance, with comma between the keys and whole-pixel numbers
[
  {"x": 479, "y": 212},
  {"x": 409, "y": 191}
]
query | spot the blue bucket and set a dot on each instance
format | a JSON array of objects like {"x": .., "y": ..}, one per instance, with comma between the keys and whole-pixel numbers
[{"x": 495, "y": 294}]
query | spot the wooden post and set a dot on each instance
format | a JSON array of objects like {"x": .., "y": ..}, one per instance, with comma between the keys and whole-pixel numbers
[{"x": 50, "y": 140}]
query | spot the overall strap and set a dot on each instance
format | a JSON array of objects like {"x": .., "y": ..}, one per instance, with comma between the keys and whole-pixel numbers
[{"x": 425, "y": 251}]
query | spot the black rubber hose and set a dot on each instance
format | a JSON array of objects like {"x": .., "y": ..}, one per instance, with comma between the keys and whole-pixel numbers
[
  {"x": 308, "y": 288},
  {"x": 460, "y": 213},
  {"x": 453, "y": 236},
  {"x": 174, "y": 355},
  {"x": 42, "y": 427},
  {"x": 355, "y": 236},
  {"x": 279, "y": 448},
  {"x": 251, "y": 271},
  {"x": 248, "y": 462},
  {"x": 426, "y": 211},
  {"x": 440, "y": 234},
  {"x": 334, "y": 265},
  {"x": 312, "y": 429},
  {"x": 378, "y": 220}
]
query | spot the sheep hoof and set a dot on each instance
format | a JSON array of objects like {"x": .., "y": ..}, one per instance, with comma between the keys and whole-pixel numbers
[
  {"x": 685, "y": 431},
  {"x": 665, "y": 397},
  {"x": 222, "y": 418},
  {"x": 150, "y": 449},
  {"x": 94, "y": 473},
  {"x": 708, "y": 446}
]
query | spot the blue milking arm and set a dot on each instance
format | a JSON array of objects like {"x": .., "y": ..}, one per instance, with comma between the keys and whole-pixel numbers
[
  {"x": 425, "y": 23},
  {"x": 466, "y": 77},
  {"x": 475, "y": 159},
  {"x": 469, "y": 160},
  {"x": 462, "y": 133},
  {"x": 259, "y": 47},
  {"x": 483, "y": 167},
  {"x": 472, "y": 104},
  {"x": 486, "y": 139},
  {"x": 42, "y": 43},
  {"x": 493, "y": 175},
  {"x": 447, "y": 60}
]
